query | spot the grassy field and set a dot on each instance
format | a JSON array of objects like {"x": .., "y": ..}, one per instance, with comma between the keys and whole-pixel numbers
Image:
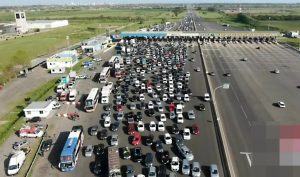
[{"x": 83, "y": 25}]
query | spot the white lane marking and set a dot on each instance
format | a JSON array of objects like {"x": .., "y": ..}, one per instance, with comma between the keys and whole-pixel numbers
[
  {"x": 242, "y": 108},
  {"x": 248, "y": 157}
]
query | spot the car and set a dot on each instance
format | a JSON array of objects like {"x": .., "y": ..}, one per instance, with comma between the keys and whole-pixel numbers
[
  {"x": 175, "y": 164},
  {"x": 161, "y": 126},
  {"x": 88, "y": 151},
  {"x": 149, "y": 140},
  {"x": 186, "y": 134},
  {"x": 103, "y": 134},
  {"x": 165, "y": 157},
  {"x": 180, "y": 118},
  {"x": 97, "y": 59},
  {"x": 142, "y": 97},
  {"x": 197, "y": 69},
  {"x": 46, "y": 145},
  {"x": 120, "y": 108},
  {"x": 142, "y": 106},
  {"x": 162, "y": 171},
  {"x": 160, "y": 108},
  {"x": 163, "y": 117},
  {"x": 185, "y": 168},
  {"x": 172, "y": 174},
  {"x": 175, "y": 129},
  {"x": 281, "y": 104},
  {"x": 158, "y": 102},
  {"x": 34, "y": 120},
  {"x": 106, "y": 114},
  {"x": 168, "y": 138},
  {"x": 97, "y": 168},
  {"x": 107, "y": 122},
  {"x": 114, "y": 140},
  {"x": 152, "y": 126},
  {"x": 188, "y": 74},
  {"x": 114, "y": 126},
  {"x": 126, "y": 153},
  {"x": 152, "y": 171},
  {"x": 20, "y": 144},
  {"x": 159, "y": 146},
  {"x": 172, "y": 115},
  {"x": 120, "y": 116},
  {"x": 129, "y": 171},
  {"x": 227, "y": 74},
  {"x": 201, "y": 107},
  {"x": 137, "y": 154},
  {"x": 107, "y": 107},
  {"x": 276, "y": 71},
  {"x": 191, "y": 114},
  {"x": 206, "y": 97},
  {"x": 94, "y": 130},
  {"x": 131, "y": 128},
  {"x": 164, "y": 97},
  {"x": 148, "y": 159},
  {"x": 136, "y": 139},
  {"x": 119, "y": 101},
  {"x": 183, "y": 150},
  {"x": 132, "y": 106},
  {"x": 99, "y": 149},
  {"x": 81, "y": 77},
  {"x": 149, "y": 90},
  {"x": 214, "y": 172},
  {"x": 196, "y": 169},
  {"x": 244, "y": 59},
  {"x": 195, "y": 129},
  {"x": 150, "y": 105}
]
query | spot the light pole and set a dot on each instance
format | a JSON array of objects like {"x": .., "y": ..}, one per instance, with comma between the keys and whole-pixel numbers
[
  {"x": 269, "y": 24},
  {"x": 223, "y": 86}
]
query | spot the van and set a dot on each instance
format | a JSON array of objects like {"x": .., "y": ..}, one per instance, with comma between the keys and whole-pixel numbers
[
  {"x": 72, "y": 94},
  {"x": 15, "y": 162},
  {"x": 179, "y": 109}
]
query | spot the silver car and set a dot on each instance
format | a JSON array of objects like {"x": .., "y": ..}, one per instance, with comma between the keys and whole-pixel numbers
[
  {"x": 89, "y": 151},
  {"x": 196, "y": 169},
  {"x": 191, "y": 114},
  {"x": 152, "y": 172},
  {"x": 185, "y": 167},
  {"x": 214, "y": 172},
  {"x": 114, "y": 141}
]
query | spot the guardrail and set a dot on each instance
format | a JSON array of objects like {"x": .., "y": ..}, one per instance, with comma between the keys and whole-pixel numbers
[
  {"x": 36, "y": 153},
  {"x": 220, "y": 143}
]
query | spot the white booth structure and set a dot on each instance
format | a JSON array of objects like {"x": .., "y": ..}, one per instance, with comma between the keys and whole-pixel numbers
[
  {"x": 65, "y": 59},
  {"x": 95, "y": 44},
  {"x": 38, "y": 109}
]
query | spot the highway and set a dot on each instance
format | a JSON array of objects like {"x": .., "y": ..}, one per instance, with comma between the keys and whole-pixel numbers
[{"x": 248, "y": 104}]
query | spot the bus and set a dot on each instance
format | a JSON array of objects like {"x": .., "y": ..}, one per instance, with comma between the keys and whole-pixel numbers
[
  {"x": 71, "y": 150},
  {"x": 105, "y": 73},
  {"x": 92, "y": 100}
]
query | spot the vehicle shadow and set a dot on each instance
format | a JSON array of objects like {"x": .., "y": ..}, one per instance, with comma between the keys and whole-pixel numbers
[
  {"x": 6, "y": 162},
  {"x": 81, "y": 101},
  {"x": 54, "y": 154},
  {"x": 205, "y": 170}
]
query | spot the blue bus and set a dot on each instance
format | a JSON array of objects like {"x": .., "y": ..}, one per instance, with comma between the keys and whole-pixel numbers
[{"x": 70, "y": 152}]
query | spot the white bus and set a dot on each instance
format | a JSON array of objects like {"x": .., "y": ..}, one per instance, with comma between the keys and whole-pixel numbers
[
  {"x": 92, "y": 100},
  {"x": 104, "y": 75},
  {"x": 72, "y": 94}
]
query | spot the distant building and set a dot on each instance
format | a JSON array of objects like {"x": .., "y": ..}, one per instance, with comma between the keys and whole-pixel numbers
[
  {"x": 24, "y": 26},
  {"x": 38, "y": 109},
  {"x": 95, "y": 44},
  {"x": 65, "y": 59},
  {"x": 293, "y": 34}
]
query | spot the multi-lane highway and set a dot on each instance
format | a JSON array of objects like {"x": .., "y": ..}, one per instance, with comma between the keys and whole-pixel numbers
[{"x": 249, "y": 103}]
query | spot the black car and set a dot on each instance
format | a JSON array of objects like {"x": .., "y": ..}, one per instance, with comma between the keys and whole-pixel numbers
[
  {"x": 149, "y": 140},
  {"x": 129, "y": 171},
  {"x": 175, "y": 129},
  {"x": 159, "y": 146},
  {"x": 179, "y": 139},
  {"x": 165, "y": 157},
  {"x": 139, "y": 116},
  {"x": 201, "y": 107},
  {"x": 34, "y": 120},
  {"x": 97, "y": 167},
  {"x": 150, "y": 112},
  {"x": 46, "y": 145},
  {"x": 99, "y": 149},
  {"x": 126, "y": 153},
  {"x": 103, "y": 134},
  {"x": 148, "y": 159},
  {"x": 107, "y": 107},
  {"x": 114, "y": 126},
  {"x": 93, "y": 130},
  {"x": 162, "y": 171},
  {"x": 137, "y": 154},
  {"x": 142, "y": 106}
]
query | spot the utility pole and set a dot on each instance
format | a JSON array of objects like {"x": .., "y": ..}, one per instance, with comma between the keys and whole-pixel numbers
[{"x": 269, "y": 24}]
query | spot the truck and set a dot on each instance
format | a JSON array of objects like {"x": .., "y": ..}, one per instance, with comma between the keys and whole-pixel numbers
[
  {"x": 105, "y": 92},
  {"x": 30, "y": 132},
  {"x": 113, "y": 162}
]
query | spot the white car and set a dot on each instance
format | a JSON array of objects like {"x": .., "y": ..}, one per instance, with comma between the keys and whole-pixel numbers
[
  {"x": 186, "y": 134},
  {"x": 197, "y": 69},
  {"x": 88, "y": 151},
  {"x": 206, "y": 97},
  {"x": 158, "y": 88},
  {"x": 154, "y": 95},
  {"x": 196, "y": 169},
  {"x": 158, "y": 102},
  {"x": 188, "y": 74},
  {"x": 179, "y": 85},
  {"x": 180, "y": 118},
  {"x": 16, "y": 162},
  {"x": 175, "y": 164},
  {"x": 149, "y": 90},
  {"x": 152, "y": 126},
  {"x": 281, "y": 104},
  {"x": 163, "y": 117},
  {"x": 140, "y": 126},
  {"x": 132, "y": 106},
  {"x": 178, "y": 97},
  {"x": 142, "y": 97},
  {"x": 186, "y": 98},
  {"x": 107, "y": 122},
  {"x": 165, "y": 97},
  {"x": 171, "y": 94},
  {"x": 143, "y": 86},
  {"x": 160, "y": 108},
  {"x": 97, "y": 59},
  {"x": 214, "y": 172},
  {"x": 168, "y": 138},
  {"x": 161, "y": 126},
  {"x": 150, "y": 105}
]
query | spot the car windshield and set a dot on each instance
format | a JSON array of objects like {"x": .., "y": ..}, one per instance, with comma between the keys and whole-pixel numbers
[
  {"x": 12, "y": 167},
  {"x": 185, "y": 167},
  {"x": 196, "y": 169}
]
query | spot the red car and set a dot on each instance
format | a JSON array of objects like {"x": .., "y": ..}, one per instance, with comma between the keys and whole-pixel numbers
[
  {"x": 120, "y": 108},
  {"x": 136, "y": 140},
  {"x": 131, "y": 128},
  {"x": 195, "y": 129},
  {"x": 171, "y": 107}
]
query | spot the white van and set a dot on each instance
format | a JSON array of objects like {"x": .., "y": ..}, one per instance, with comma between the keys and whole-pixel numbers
[
  {"x": 15, "y": 162},
  {"x": 72, "y": 95}
]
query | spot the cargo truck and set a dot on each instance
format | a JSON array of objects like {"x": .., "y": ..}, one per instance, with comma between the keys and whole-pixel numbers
[{"x": 113, "y": 162}]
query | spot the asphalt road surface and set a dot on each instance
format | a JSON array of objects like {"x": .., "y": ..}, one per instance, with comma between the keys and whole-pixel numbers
[{"x": 248, "y": 106}]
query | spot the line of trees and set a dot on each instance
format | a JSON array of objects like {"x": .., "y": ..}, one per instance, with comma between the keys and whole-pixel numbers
[
  {"x": 243, "y": 18},
  {"x": 277, "y": 17}
]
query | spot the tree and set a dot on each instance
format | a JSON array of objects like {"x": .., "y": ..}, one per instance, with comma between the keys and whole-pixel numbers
[
  {"x": 211, "y": 9},
  {"x": 163, "y": 20}
]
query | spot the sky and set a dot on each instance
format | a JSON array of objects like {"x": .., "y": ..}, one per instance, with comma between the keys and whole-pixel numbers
[{"x": 48, "y": 2}]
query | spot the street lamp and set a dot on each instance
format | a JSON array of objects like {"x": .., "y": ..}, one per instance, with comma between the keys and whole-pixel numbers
[
  {"x": 269, "y": 24},
  {"x": 223, "y": 86}
]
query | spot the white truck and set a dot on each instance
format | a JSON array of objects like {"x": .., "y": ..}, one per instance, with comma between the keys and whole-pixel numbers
[
  {"x": 105, "y": 92},
  {"x": 15, "y": 162},
  {"x": 113, "y": 162}
]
